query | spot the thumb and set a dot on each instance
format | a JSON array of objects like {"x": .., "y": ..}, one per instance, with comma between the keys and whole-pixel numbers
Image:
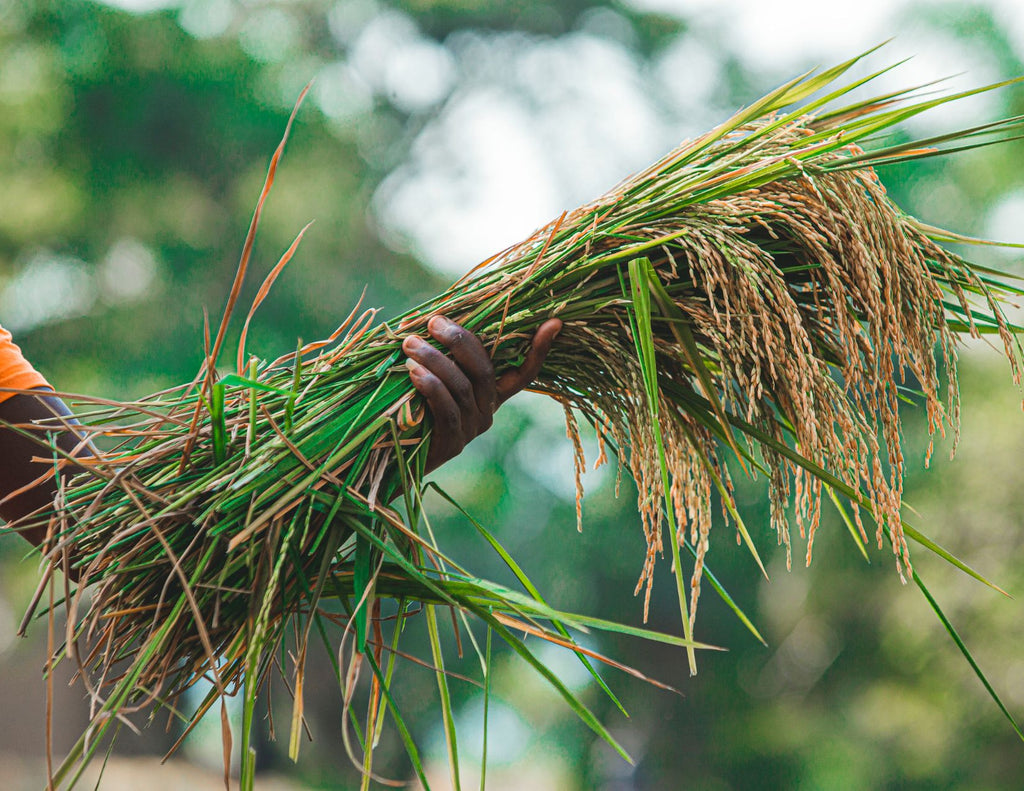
[{"x": 511, "y": 382}]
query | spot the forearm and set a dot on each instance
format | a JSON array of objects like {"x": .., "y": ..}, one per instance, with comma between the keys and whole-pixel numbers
[{"x": 27, "y": 479}]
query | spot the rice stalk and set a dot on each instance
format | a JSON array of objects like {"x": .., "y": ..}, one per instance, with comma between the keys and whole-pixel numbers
[{"x": 752, "y": 301}]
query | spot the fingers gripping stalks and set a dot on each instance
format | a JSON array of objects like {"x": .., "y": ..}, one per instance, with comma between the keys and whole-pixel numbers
[{"x": 462, "y": 390}]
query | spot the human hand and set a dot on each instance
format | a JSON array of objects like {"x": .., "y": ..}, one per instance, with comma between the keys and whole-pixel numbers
[{"x": 461, "y": 390}]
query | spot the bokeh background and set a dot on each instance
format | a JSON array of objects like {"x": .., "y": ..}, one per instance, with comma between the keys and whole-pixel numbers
[{"x": 134, "y": 136}]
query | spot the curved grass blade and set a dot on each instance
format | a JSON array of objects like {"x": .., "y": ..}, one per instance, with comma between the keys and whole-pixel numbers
[
  {"x": 951, "y": 630},
  {"x": 730, "y": 603},
  {"x": 530, "y": 587},
  {"x": 639, "y": 311},
  {"x": 403, "y": 729},
  {"x": 841, "y": 509},
  {"x": 447, "y": 715},
  {"x": 573, "y": 702},
  {"x": 487, "y": 703}
]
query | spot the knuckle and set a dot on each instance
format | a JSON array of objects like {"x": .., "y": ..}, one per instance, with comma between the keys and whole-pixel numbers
[
  {"x": 462, "y": 391},
  {"x": 427, "y": 355},
  {"x": 485, "y": 368},
  {"x": 457, "y": 338},
  {"x": 449, "y": 415},
  {"x": 426, "y": 382}
]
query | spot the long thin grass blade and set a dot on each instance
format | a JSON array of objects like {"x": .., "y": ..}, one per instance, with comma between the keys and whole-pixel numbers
[{"x": 951, "y": 630}]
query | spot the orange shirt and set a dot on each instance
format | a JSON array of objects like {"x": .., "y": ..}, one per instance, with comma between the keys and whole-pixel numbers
[{"x": 15, "y": 370}]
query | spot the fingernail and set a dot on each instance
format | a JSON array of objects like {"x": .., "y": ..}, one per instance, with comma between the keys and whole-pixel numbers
[
  {"x": 414, "y": 342},
  {"x": 413, "y": 366},
  {"x": 440, "y": 322}
]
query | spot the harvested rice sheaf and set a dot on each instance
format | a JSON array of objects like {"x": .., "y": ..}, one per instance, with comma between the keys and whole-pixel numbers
[{"x": 751, "y": 304}]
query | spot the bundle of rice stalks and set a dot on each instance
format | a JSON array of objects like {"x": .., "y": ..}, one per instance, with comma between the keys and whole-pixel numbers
[{"x": 752, "y": 303}]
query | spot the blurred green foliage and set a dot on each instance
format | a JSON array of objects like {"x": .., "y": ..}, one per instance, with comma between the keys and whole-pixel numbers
[{"x": 133, "y": 151}]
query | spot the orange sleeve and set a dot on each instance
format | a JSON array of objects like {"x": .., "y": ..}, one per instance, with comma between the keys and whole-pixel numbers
[{"x": 15, "y": 370}]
